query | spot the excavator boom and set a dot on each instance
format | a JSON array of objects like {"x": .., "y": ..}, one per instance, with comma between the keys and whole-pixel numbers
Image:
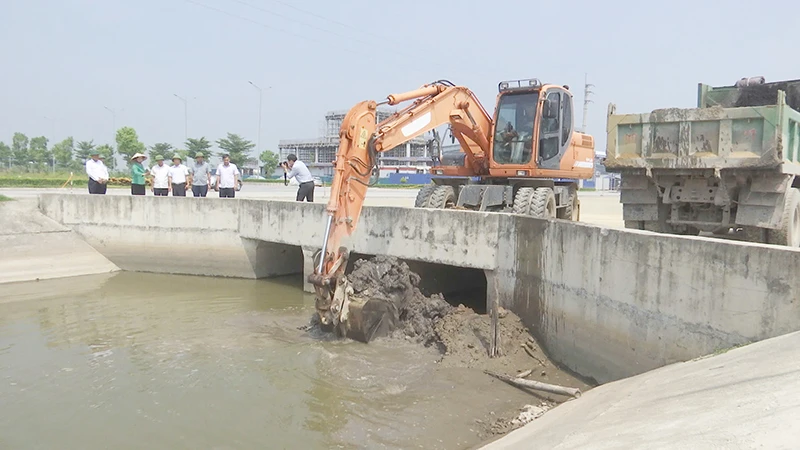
[{"x": 361, "y": 139}]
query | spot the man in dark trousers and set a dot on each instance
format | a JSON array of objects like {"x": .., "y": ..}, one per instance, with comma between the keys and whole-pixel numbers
[
  {"x": 97, "y": 173},
  {"x": 298, "y": 170}
]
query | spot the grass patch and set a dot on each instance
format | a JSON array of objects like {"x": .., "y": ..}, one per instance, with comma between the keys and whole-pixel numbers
[{"x": 3, "y": 198}]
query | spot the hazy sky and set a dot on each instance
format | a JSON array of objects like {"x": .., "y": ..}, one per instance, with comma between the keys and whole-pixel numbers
[{"x": 67, "y": 59}]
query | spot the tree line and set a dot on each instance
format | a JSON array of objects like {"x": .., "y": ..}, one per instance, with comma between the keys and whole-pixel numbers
[{"x": 36, "y": 155}]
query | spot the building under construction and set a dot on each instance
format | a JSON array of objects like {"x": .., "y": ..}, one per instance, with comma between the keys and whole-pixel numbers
[{"x": 318, "y": 154}]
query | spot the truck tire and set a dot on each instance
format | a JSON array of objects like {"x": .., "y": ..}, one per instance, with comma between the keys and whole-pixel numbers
[
  {"x": 789, "y": 231},
  {"x": 424, "y": 196},
  {"x": 442, "y": 197}
]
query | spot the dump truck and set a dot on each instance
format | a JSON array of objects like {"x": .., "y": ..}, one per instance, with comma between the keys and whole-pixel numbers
[
  {"x": 730, "y": 164},
  {"x": 526, "y": 158}
]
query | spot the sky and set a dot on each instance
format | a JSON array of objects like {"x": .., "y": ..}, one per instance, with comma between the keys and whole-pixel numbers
[{"x": 66, "y": 61}]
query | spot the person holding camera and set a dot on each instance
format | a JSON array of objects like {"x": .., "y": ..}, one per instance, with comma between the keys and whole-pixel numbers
[{"x": 298, "y": 170}]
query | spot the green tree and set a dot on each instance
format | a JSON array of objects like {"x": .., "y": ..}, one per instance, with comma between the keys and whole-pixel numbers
[
  {"x": 107, "y": 152},
  {"x": 197, "y": 145},
  {"x": 128, "y": 143},
  {"x": 63, "y": 152},
  {"x": 162, "y": 148},
  {"x": 19, "y": 149},
  {"x": 84, "y": 150},
  {"x": 6, "y": 155},
  {"x": 270, "y": 160},
  {"x": 237, "y": 147},
  {"x": 39, "y": 153}
]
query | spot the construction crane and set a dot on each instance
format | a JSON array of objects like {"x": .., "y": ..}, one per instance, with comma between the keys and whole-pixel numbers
[{"x": 526, "y": 159}]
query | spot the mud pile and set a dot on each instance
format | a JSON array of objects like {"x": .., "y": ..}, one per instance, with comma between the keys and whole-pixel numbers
[
  {"x": 391, "y": 280},
  {"x": 462, "y": 335}
]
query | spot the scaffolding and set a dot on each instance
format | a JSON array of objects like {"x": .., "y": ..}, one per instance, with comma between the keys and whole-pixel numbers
[{"x": 318, "y": 154}]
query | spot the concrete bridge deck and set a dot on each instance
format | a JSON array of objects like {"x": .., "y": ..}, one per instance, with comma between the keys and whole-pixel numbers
[{"x": 606, "y": 303}]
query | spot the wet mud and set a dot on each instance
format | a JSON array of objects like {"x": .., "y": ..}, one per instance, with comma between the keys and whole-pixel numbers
[{"x": 463, "y": 338}]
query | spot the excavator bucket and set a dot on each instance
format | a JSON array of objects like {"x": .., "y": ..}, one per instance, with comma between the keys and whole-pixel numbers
[
  {"x": 353, "y": 317},
  {"x": 364, "y": 321}
]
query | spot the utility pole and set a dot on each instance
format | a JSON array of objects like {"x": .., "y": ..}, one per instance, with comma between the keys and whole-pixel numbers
[
  {"x": 586, "y": 92},
  {"x": 113, "y": 123},
  {"x": 260, "y": 109},
  {"x": 52, "y": 140},
  {"x": 185, "y": 116}
]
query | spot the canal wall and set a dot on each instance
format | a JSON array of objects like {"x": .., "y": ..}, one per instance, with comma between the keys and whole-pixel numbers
[
  {"x": 34, "y": 247},
  {"x": 606, "y": 303}
]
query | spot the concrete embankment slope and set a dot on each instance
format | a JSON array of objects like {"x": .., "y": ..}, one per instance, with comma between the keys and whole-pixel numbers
[
  {"x": 35, "y": 247},
  {"x": 746, "y": 398}
]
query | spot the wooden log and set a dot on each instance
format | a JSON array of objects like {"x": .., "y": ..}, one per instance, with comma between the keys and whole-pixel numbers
[
  {"x": 530, "y": 353},
  {"x": 525, "y": 373},
  {"x": 537, "y": 385},
  {"x": 494, "y": 349}
]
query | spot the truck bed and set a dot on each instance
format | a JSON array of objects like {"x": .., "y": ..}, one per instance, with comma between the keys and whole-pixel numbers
[{"x": 715, "y": 137}]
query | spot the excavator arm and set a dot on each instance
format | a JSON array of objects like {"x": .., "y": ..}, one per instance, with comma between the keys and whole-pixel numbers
[{"x": 361, "y": 139}]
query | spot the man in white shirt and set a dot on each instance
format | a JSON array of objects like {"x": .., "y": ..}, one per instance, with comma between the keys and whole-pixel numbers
[
  {"x": 227, "y": 178},
  {"x": 297, "y": 169},
  {"x": 177, "y": 177},
  {"x": 98, "y": 174},
  {"x": 160, "y": 173}
]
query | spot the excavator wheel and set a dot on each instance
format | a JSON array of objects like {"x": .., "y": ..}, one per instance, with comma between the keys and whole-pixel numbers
[
  {"x": 572, "y": 210},
  {"x": 536, "y": 202},
  {"x": 543, "y": 203},
  {"x": 424, "y": 196},
  {"x": 442, "y": 197}
]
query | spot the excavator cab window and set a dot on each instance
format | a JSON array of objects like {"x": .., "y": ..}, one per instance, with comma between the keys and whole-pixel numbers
[
  {"x": 550, "y": 129},
  {"x": 513, "y": 140}
]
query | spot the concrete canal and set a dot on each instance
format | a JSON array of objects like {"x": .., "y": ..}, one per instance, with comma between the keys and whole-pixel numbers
[{"x": 154, "y": 361}]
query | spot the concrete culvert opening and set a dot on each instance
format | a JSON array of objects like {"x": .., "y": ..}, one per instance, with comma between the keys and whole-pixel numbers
[
  {"x": 273, "y": 260},
  {"x": 458, "y": 285}
]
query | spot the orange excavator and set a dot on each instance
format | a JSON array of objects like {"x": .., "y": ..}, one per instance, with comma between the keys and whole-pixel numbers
[{"x": 525, "y": 160}]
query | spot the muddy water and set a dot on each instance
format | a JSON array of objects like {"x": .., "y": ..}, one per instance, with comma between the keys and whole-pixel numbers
[{"x": 165, "y": 362}]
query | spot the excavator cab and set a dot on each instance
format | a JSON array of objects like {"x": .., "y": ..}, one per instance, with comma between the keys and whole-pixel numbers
[{"x": 533, "y": 130}]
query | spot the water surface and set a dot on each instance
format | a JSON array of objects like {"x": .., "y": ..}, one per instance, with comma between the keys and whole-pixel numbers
[{"x": 133, "y": 360}]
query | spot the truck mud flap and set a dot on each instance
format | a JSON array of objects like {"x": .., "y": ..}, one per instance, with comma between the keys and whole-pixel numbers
[
  {"x": 639, "y": 198},
  {"x": 761, "y": 202}
]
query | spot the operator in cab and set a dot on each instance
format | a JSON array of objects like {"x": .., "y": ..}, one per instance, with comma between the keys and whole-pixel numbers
[{"x": 298, "y": 170}]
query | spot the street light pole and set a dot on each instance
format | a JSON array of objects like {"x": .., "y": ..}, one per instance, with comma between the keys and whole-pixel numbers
[
  {"x": 185, "y": 116},
  {"x": 113, "y": 123},
  {"x": 260, "y": 109}
]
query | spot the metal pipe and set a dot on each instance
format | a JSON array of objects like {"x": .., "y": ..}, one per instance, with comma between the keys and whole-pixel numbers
[{"x": 324, "y": 244}]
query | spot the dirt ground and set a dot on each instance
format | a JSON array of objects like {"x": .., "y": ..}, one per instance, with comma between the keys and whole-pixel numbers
[{"x": 463, "y": 338}]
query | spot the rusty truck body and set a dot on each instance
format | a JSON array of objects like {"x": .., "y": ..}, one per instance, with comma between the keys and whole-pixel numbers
[{"x": 731, "y": 163}]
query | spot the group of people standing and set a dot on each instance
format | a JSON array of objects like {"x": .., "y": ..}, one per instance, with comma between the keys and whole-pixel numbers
[
  {"x": 177, "y": 177},
  {"x": 165, "y": 178}
]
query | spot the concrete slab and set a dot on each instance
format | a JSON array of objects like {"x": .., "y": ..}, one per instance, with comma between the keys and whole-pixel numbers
[
  {"x": 746, "y": 398},
  {"x": 22, "y": 217},
  {"x": 35, "y": 247}
]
